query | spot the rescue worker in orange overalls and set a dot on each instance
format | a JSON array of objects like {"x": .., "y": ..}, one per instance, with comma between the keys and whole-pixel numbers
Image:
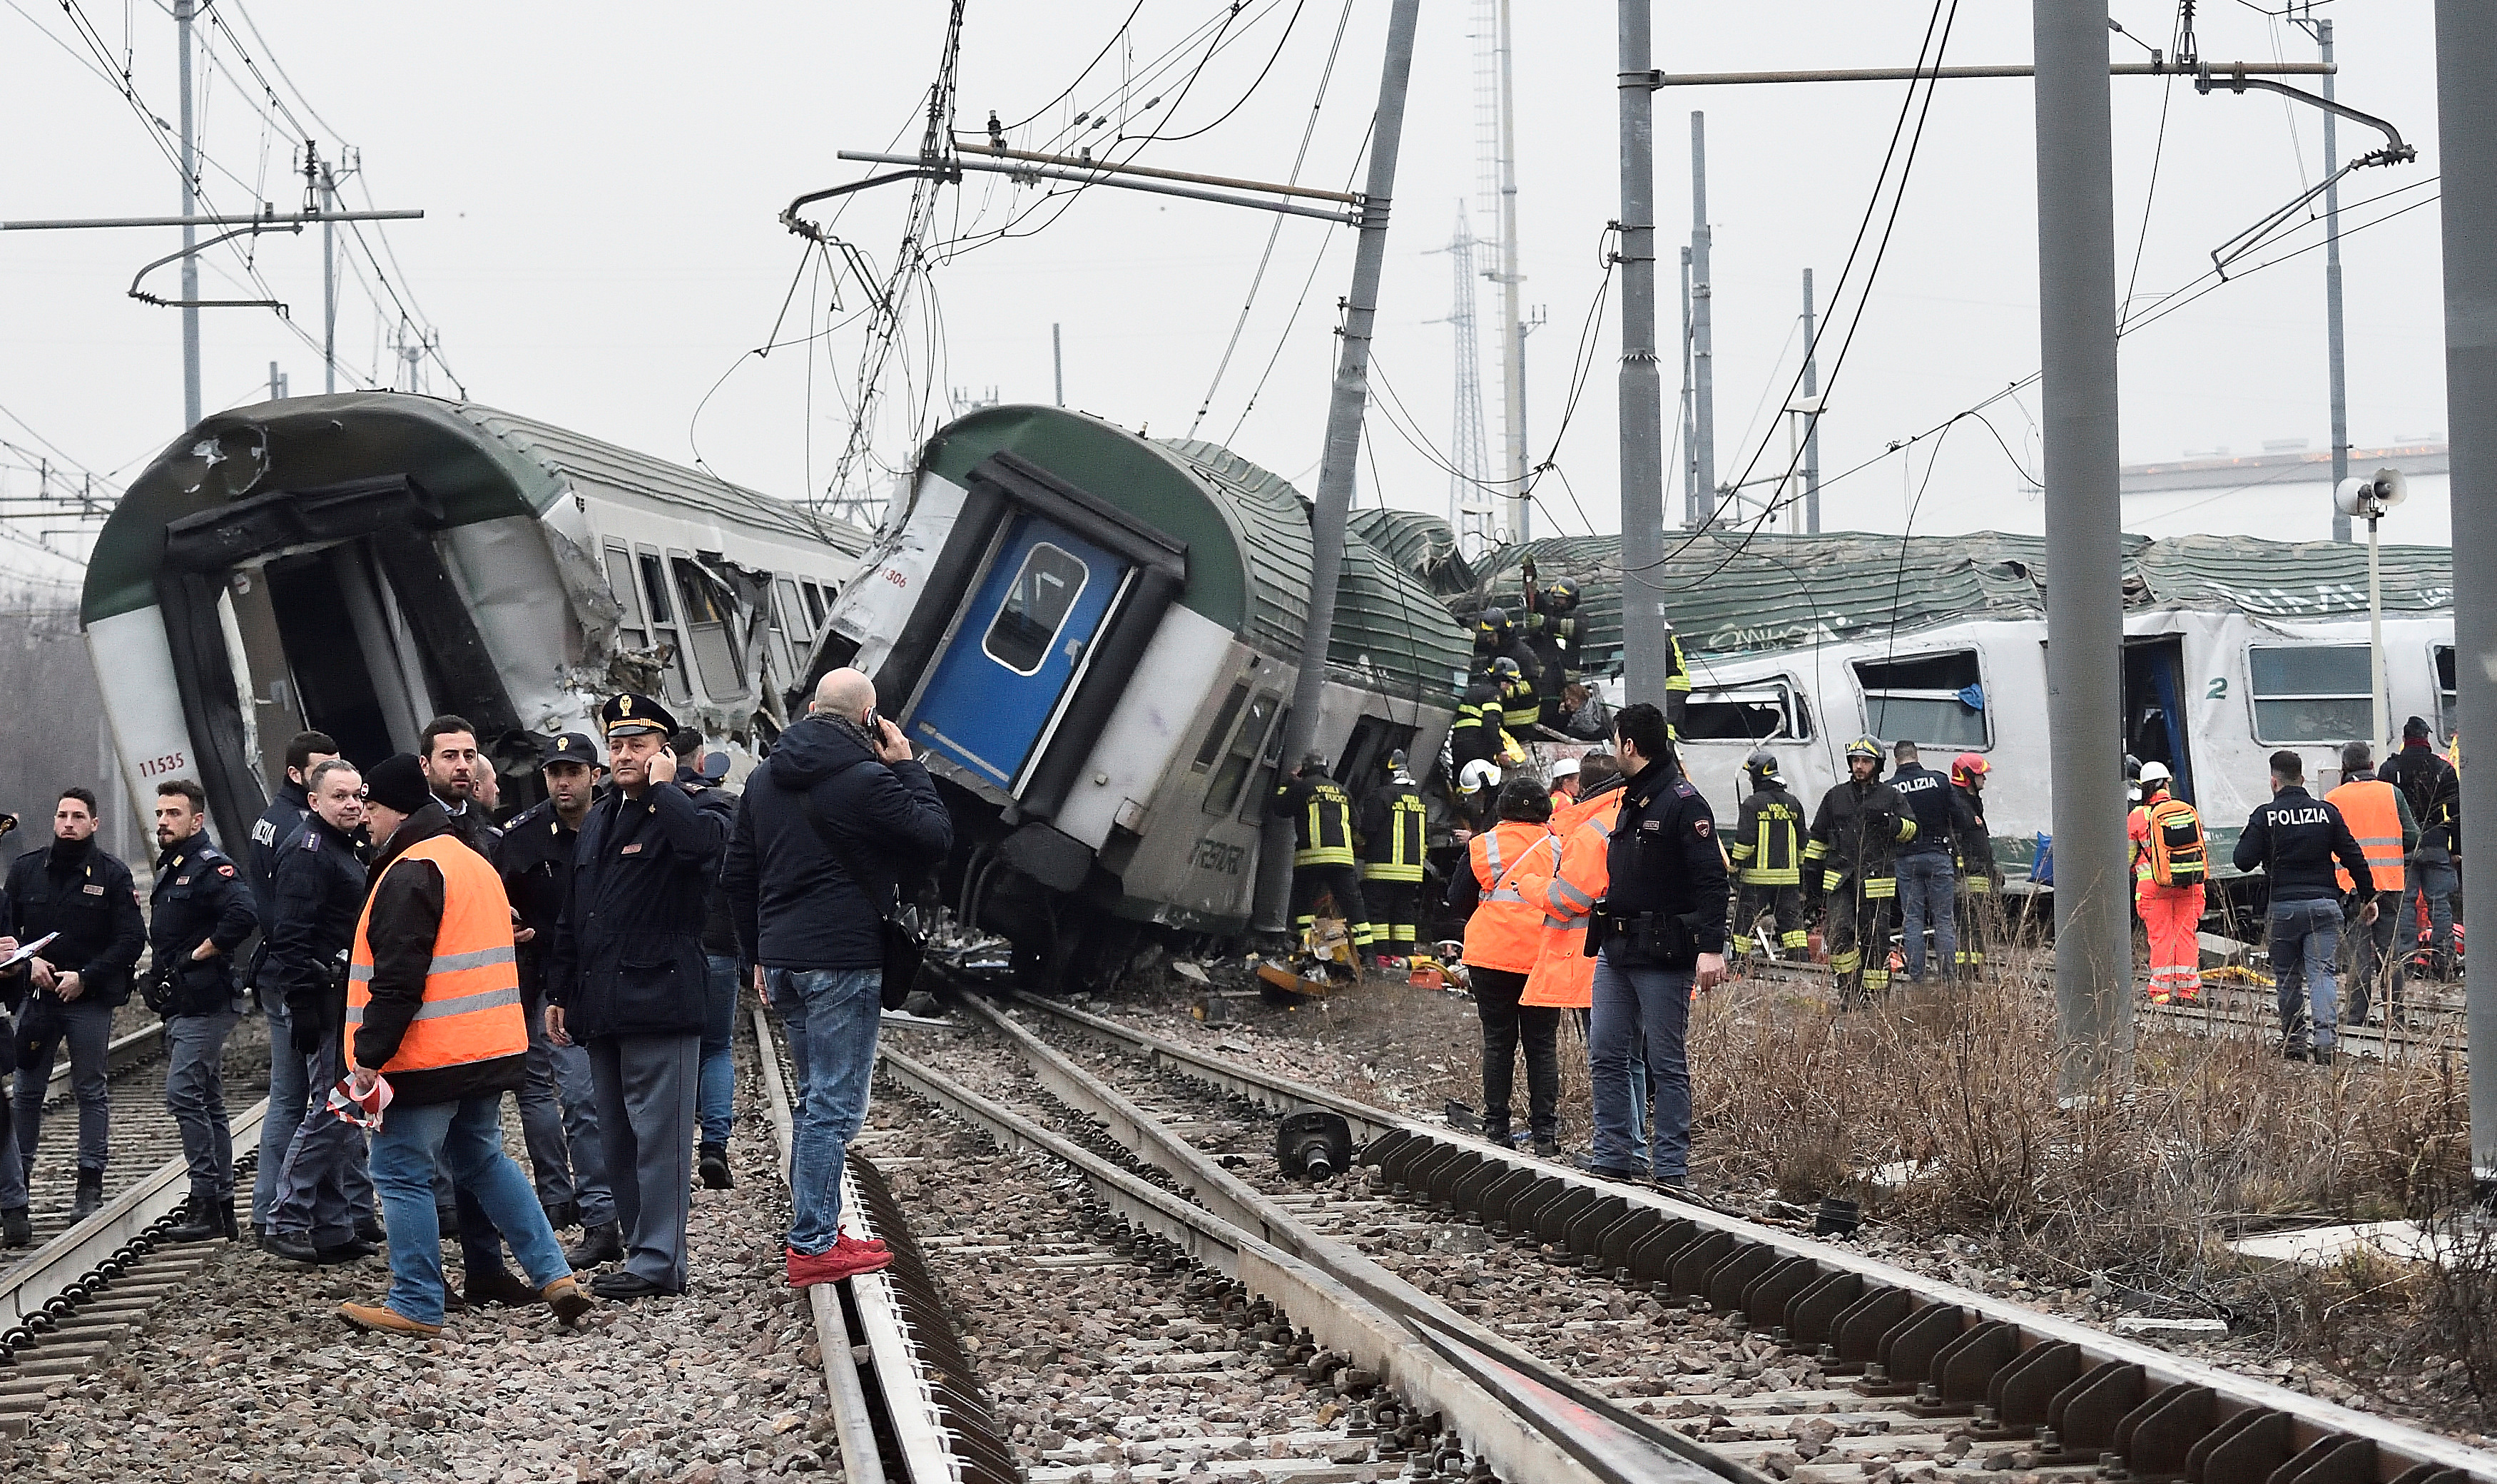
[
  {"x": 1502, "y": 934},
  {"x": 2170, "y": 861}
]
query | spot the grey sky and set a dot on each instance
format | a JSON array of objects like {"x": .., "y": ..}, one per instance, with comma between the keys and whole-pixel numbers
[{"x": 601, "y": 242}]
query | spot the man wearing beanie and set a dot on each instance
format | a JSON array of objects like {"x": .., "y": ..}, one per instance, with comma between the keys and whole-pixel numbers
[{"x": 433, "y": 1008}]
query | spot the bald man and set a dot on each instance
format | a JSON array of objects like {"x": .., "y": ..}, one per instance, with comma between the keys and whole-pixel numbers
[{"x": 838, "y": 826}]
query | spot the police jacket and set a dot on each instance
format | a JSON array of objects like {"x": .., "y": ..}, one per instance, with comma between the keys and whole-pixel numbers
[
  {"x": 412, "y": 898},
  {"x": 2434, "y": 792},
  {"x": 1321, "y": 815},
  {"x": 200, "y": 896},
  {"x": 1937, "y": 804},
  {"x": 269, "y": 833},
  {"x": 1392, "y": 830},
  {"x": 629, "y": 958},
  {"x": 1662, "y": 856},
  {"x": 1768, "y": 847},
  {"x": 2294, "y": 841},
  {"x": 534, "y": 859},
  {"x": 88, "y": 898},
  {"x": 1854, "y": 834},
  {"x": 320, "y": 892}
]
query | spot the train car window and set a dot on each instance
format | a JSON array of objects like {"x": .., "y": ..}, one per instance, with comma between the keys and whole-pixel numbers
[
  {"x": 1038, "y": 601},
  {"x": 632, "y": 630},
  {"x": 793, "y": 611},
  {"x": 815, "y": 607},
  {"x": 1743, "y": 714},
  {"x": 707, "y": 607},
  {"x": 1270, "y": 754},
  {"x": 1223, "y": 791},
  {"x": 2448, "y": 701},
  {"x": 779, "y": 629},
  {"x": 663, "y": 625},
  {"x": 2308, "y": 693},
  {"x": 1220, "y": 732},
  {"x": 1932, "y": 700}
]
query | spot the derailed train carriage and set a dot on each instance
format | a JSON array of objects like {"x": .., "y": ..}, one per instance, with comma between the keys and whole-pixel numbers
[
  {"x": 1092, "y": 638},
  {"x": 358, "y": 563}
]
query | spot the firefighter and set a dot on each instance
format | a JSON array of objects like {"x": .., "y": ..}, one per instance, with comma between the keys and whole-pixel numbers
[
  {"x": 1861, "y": 821},
  {"x": 1391, "y": 838},
  {"x": 1321, "y": 816},
  {"x": 2170, "y": 861},
  {"x": 1520, "y": 707},
  {"x": 1767, "y": 855},
  {"x": 1496, "y": 638},
  {"x": 1979, "y": 876},
  {"x": 1476, "y": 735},
  {"x": 1677, "y": 681},
  {"x": 1556, "y": 635}
]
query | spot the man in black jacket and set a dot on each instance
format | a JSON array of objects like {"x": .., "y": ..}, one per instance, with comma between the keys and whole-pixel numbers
[
  {"x": 286, "y": 813},
  {"x": 320, "y": 892},
  {"x": 715, "y": 1103},
  {"x": 2434, "y": 791},
  {"x": 75, "y": 889},
  {"x": 2294, "y": 841},
  {"x": 1849, "y": 862},
  {"x": 1926, "y": 865},
  {"x": 628, "y": 980},
  {"x": 199, "y": 913},
  {"x": 831, "y": 825}
]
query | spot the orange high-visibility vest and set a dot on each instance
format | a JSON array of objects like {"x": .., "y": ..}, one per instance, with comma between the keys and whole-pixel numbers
[
  {"x": 472, "y": 991},
  {"x": 2367, "y": 806},
  {"x": 1502, "y": 931},
  {"x": 1564, "y": 975}
]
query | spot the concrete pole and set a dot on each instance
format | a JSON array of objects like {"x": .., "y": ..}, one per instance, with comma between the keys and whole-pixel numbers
[
  {"x": 1689, "y": 445},
  {"x": 1645, "y": 638},
  {"x": 1512, "y": 319},
  {"x": 1703, "y": 331},
  {"x": 328, "y": 281},
  {"x": 2466, "y": 120},
  {"x": 1343, "y": 449},
  {"x": 182, "y": 12},
  {"x": 1058, "y": 359},
  {"x": 1812, "y": 423},
  {"x": 2332, "y": 337},
  {"x": 2084, "y": 553}
]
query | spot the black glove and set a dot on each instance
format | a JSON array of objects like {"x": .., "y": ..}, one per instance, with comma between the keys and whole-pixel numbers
[{"x": 306, "y": 1035}]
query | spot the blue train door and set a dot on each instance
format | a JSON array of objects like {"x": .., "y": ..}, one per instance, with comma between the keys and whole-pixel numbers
[{"x": 1015, "y": 652}]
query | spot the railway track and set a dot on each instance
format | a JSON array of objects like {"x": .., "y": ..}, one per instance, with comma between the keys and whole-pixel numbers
[{"x": 1735, "y": 1350}]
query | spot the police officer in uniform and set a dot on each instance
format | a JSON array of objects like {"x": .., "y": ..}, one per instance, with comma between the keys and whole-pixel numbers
[
  {"x": 2294, "y": 841},
  {"x": 1860, "y": 822},
  {"x": 1391, "y": 840},
  {"x": 287, "y": 807},
  {"x": 1767, "y": 852},
  {"x": 628, "y": 980},
  {"x": 1926, "y": 866},
  {"x": 1658, "y": 931},
  {"x": 199, "y": 912},
  {"x": 1321, "y": 816}
]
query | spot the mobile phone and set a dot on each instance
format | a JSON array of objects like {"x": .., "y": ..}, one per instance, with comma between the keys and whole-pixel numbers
[{"x": 874, "y": 723}]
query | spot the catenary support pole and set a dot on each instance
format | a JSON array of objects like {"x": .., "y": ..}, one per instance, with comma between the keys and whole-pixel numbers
[
  {"x": 2466, "y": 119},
  {"x": 1513, "y": 320},
  {"x": 182, "y": 12},
  {"x": 1703, "y": 332},
  {"x": 2332, "y": 336},
  {"x": 1343, "y": 449},
  {"x": 329, "y": 282},
  {"x": 1644, "y": 634},
  {"x": 1058, "y": 359},
  {"x": 1690, "y": 447},
  {"x": 1812, "y": 420},
  {"x": 2084, "y": 552}
]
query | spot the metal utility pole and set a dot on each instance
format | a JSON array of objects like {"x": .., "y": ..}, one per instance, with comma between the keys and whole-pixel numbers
[
  {"x": 2332, "y": 336},
  {"x": 1343, "y": 449},
  {"x": 1689, "y": 445},
  {"x": 1812, "y": 425},
  {"x": 182, "y": 12},
  {"x": 2466, "y": 118},
  {"x": 1474, "y": 509},
  {"x": 2085, "y": 597},
  {"x": 1058, "y": 359},
  {"x": 1645, "y": 636},
  {"x": 1512, "y": 322},
  {"x": 1703, "y": 334},
  {"x": 276, "y": 383},
  {"x": 329, "y": 277}
]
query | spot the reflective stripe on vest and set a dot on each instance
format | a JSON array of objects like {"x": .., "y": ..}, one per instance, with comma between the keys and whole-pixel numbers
[
  {"x": 1506, "y": 929},
  {"x": 472, "y": 988},
  {"x": 2367, "y": 806}
]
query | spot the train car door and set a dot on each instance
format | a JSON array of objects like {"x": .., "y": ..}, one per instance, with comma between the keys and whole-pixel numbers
[
  {"x": 2153, "y": 706},
  {"x": 1020, "y": 643}
]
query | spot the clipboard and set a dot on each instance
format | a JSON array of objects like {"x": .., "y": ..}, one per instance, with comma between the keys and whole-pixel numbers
[{"x": 27, "y": 950}]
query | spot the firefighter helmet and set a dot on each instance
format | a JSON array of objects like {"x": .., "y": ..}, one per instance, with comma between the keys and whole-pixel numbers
[
  {"x": 1864, "y": 746},
  {"x": 1763, "y": 769},
  {"x": 1562, "y": 596},
  {"x": 1968, "y": 767},
  {"x": 1492, "y": 628},
  {"x": 1505, "y": 668},
  {"x": 1477, "y": 776},
  {"x": 1397, "y": 762}
]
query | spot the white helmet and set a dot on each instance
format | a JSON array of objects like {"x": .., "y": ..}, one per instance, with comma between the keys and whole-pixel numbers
[
  {"x": 1477, "y": 776},
  {"x": 2155, "y": 773},
  {"x": 1567, "y": 768}
]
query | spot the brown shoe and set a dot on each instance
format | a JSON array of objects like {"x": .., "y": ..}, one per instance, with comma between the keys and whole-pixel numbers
[
  {"x": 565, "y": 1298},
  {"x": 383, "y": 1317},
  {"x": 498, "y": 1285}
]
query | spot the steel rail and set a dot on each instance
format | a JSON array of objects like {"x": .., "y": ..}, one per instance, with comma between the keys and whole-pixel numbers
[
  {"x": 1566, "y": 1445},
  {"x": 1447, "y": 1160}
]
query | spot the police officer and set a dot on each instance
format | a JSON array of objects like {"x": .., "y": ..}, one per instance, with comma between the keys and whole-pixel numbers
[
  {"x": 320, "y": 892},
  {"x": 1321, "y": 816},
  {"x": 1767, "y": 852},
  {"x": 558, "y": 1100},
  {"x": 1658, "y": 931},
  {"x": 73, "y": 888},
  {"x": 200, "y": 911},
  {"x": 628, "y": 980},
  {"x": 1391, "y": 840},
  {"x": 1926, "y": 864},
  {"x": 287, "y": 807},
  {"x": 1860, "y": 822},
  {"x": 2294, "y": 841}
]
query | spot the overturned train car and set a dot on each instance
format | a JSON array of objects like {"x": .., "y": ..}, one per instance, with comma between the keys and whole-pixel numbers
[
  {"x": 360, "y": 564},
  {"x": 1092, "y": 638}
]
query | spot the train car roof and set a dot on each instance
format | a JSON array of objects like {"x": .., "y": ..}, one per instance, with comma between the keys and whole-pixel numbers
[
  {"x": 480, "y": 462},
  {"x": 1248, "y": 534},
  {"x": 1731, "y": 594}
]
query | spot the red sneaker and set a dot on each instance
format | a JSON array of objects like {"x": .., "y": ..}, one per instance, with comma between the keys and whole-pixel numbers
[
  {"x": 831, "y": 1266},
  {"x": 846, "y": 1242}
]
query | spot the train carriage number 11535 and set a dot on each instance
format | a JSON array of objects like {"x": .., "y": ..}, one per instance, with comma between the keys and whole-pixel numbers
[{"x": 156, "y": 767}]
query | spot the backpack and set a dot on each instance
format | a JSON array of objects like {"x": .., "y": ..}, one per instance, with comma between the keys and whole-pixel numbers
[{"x": 2178, "y": 856}]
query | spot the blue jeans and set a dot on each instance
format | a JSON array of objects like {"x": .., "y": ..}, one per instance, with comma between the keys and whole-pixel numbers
[
  {"x": 831, "y": 1016},
  {"x": 1638, "y": 1006},
  {"x": 469, "y": 1136},
  {"x": 1927, "y": 885},
  {"x": 2438, "y": 881},
  {"x": 718, "y": 1079},
  {"x": 2305, "y": 937}
]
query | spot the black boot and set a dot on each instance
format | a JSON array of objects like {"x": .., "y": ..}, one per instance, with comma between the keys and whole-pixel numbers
[
  {"x": 15, "y": 1230},
  {"x": 714, "y": 1167},
  {"x": 228, "y": 1222},
  {"x": 200, "y": 1222},
  {"x": 603, "y": 1242},
  {"x": 91, "y": 1195}
]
